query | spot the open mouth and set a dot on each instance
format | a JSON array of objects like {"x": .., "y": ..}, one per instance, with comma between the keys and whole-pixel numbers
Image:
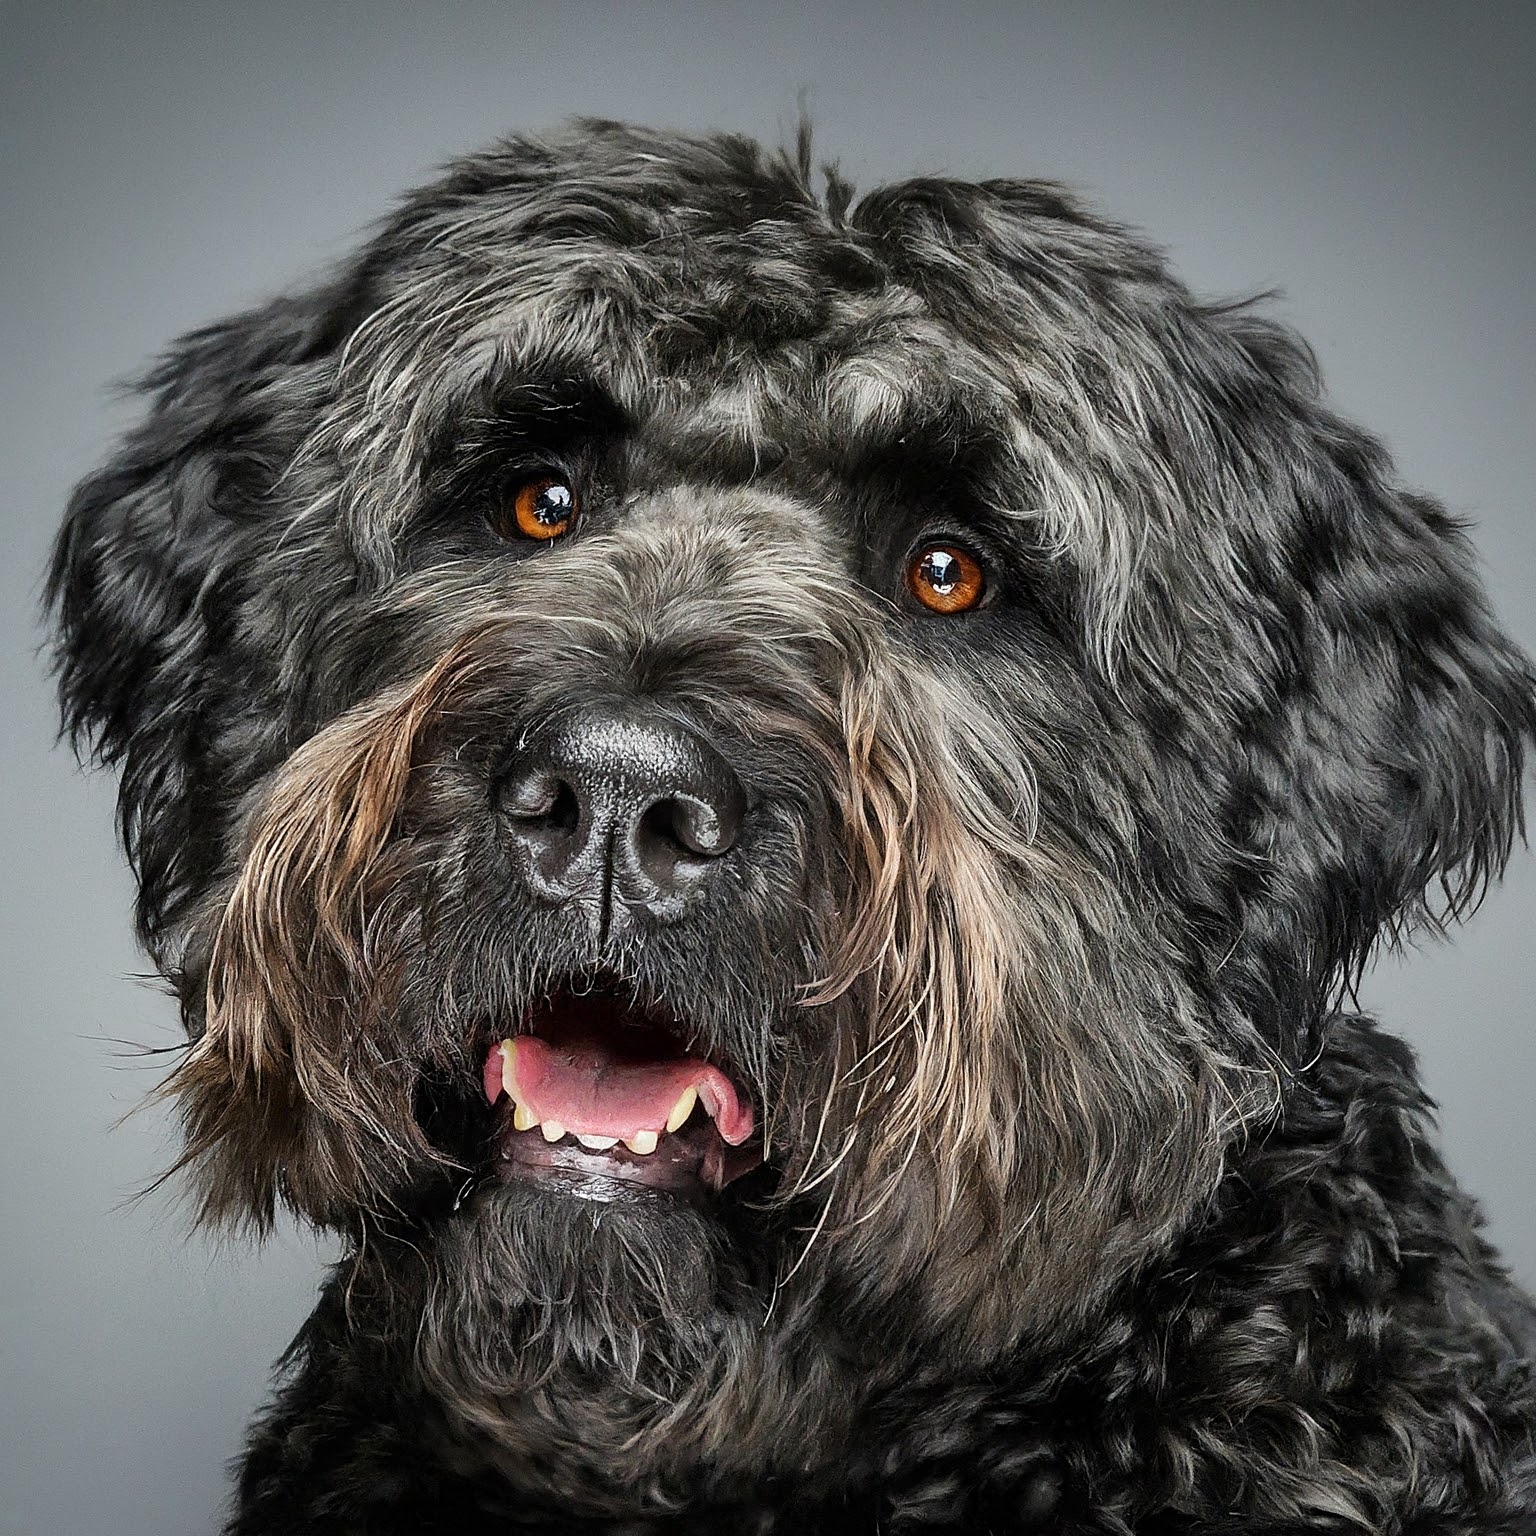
[{"x": 599, "y": 1095}]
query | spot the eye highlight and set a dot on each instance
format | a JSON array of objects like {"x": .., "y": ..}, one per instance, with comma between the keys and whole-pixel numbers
[
  {"x": 945, "y": 578},
  {"x": 542, "y": 508}
]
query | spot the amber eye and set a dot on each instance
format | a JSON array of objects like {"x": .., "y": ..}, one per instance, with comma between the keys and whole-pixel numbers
[
  {"x": 541, "y": 509},
  {"x": 946, "y": 578}
]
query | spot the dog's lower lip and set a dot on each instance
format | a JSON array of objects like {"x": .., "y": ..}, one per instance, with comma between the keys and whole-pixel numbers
[{"x": 694, "y": 1163}]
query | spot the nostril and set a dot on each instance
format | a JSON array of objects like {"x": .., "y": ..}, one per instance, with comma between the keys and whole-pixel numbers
[
  {"x": 542, "y": 800},
  {"x": 688, "y": 827},
  {"x": 565, "y": 814}
]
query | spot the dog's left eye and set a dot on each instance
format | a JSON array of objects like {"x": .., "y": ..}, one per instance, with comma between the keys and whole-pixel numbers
[
  {"x": 945, "y": 578},
  {"x": 542, "y": 508}
]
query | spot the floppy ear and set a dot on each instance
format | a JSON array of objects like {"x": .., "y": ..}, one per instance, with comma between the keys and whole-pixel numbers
[
  {"x": 147, "y": 581},
  {"x": 1378, "y": 773}
]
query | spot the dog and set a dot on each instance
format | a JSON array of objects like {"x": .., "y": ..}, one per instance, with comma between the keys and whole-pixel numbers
[{"x": 771, "y": 801}]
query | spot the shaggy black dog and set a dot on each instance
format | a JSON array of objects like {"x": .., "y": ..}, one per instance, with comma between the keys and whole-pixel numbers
[{"x": 769, "y": 802}]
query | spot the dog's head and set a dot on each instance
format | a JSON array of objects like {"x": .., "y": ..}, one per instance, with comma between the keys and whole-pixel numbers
[{"x": 705, "y": 751}]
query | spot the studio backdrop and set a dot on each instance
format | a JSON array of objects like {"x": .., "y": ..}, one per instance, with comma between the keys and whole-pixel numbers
[{"x": 165, "y": 164}]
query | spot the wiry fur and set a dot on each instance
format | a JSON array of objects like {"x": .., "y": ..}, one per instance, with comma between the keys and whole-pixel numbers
[{"x": 1085, "y": 1207}]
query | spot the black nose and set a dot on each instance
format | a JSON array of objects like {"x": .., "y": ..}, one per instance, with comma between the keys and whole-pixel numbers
[{"x": 610, "y": 808}]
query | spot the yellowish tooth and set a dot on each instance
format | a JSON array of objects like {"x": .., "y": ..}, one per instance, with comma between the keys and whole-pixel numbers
[
  {"x": 683, "y": 1108},
  {"x": 523, "y": 1118},
  {"x": 509, "y": 1067},
  {"x": 552, "y": 1130},
  {"x": 643, "y": 1142}
]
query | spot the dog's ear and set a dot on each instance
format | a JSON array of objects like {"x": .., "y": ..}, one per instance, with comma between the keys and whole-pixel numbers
[
  {"x": 149, "y": 573},
  {"x": 1380, "y": 741}
]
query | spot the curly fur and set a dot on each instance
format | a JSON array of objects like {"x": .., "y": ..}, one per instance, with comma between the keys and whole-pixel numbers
[{"x": 1085, "y": 1206}]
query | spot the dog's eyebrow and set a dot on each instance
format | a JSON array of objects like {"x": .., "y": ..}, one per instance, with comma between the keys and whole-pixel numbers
[
  {"x": 932, "y": 442},
  {"x": 550, "y": 410}
]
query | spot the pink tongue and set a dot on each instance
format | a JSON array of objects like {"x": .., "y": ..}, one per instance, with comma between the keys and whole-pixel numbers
[{"x": 590, "y": 1088}]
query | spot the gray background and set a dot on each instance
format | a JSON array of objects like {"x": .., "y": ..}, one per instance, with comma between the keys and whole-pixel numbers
[{"x": 164, "y": 163}]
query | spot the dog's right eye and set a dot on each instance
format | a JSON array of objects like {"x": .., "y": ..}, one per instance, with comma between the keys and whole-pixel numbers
[{"x": 541, "y": 508}]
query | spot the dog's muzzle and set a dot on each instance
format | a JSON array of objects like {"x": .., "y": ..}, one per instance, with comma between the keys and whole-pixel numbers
[{"x": 617, "y": 817}]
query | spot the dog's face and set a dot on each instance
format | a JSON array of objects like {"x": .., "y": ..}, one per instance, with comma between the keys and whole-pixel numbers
[{"x": 724, "y": 764}]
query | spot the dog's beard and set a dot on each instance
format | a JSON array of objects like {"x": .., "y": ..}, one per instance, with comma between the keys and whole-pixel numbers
[
  {"x": 568, "y": 1336},
  {"x": 630, "y": 1292}
]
